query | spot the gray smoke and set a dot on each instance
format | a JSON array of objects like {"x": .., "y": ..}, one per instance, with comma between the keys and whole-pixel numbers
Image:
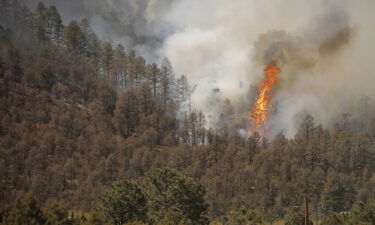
[
  {"x": 321, "y": 41},
  {"x": 136, "y": 24},
  {"x": 324, "y": 49}
]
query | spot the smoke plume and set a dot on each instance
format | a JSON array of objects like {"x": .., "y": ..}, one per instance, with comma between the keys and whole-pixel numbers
[{"x": 324, "y": 49}]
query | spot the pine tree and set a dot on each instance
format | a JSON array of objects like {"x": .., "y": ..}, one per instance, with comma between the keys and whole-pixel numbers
[
  {"x": 107, "y": 54},
  {"x": 167, "y": 81},
  {"x": 183, "y": 96},
  {"x": 176, "y": 196},
  {"x": 119, "y": 67},
  {"x": 74, "y": 38},
  {"x": 26, "y": 211},
  {"x": 124, "y": 202},
  {"x": 41, "y": 22},
  {"x": 127, "y": 114},
  {"x": 333, "y": 194},
  {"x": 153, "y": 77},
  {"x": 58, "y": 26},
  {"x": 89, "y": 35}
]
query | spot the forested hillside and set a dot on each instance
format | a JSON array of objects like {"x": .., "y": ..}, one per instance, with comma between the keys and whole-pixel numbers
[{"x": 79, "y": 113}]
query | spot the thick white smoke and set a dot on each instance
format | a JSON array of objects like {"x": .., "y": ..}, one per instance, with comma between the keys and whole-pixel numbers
[{"x": 324, "y": 49}]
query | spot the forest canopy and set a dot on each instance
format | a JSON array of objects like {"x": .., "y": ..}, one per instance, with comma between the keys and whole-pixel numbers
[{"x": 89, "y": 129}]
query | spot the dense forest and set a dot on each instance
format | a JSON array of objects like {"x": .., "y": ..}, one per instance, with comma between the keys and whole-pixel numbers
[{"x": 92, "y": 134}]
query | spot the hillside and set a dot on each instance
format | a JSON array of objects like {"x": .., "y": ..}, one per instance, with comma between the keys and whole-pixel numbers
[{"x": 79, "y": 113}]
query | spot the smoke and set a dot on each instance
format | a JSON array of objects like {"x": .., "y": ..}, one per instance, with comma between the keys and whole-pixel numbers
[
  {"x": 324, "y": 49},
  {"x": 321, "y": 41},
  {"x": 316, "y": 44},
  {"x": 319, "y": 75},
  {"x": 136, "y": 24}
]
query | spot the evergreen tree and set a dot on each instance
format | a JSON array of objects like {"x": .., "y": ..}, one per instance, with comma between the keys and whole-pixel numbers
[
  {"x": 173, "y": 194},
  {"x": 167, "y": 81},
  {"x": 107, "y": 54},
  {"x": 127, "y": 114},
  {"x": 41, "y": 22},
  {"x": 333, "y": 194},
  {"x": 54, "y": 26},
  {"x": 26, "y": 211},
  {"x": 153, "y": 77},
  {"x": 74, "y": 38},
  {"x": 89, "y": 37},
  {"x": 124, "y": 202}
]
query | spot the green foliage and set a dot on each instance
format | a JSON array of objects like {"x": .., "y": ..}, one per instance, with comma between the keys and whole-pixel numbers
[
  {"x": 127, "y": 114},
  {"x": 78, "y": 115},
  {"x": 175, "y": 196},
  {"x": 87, "y": 218},
  {"x": 74, "y": 38},
  {"x": 57, "y": 215},
  {"x": 334, "y": 194},
  {"x": 360, "y": 214},
  {"x": 172, "y": 198},
  {"x": 334, "y": 219},
  {"x": 26, "y": 211},
  {"x": 243, "y": 216},
  {"x": 297, "y": 219},
  {"x": 124, "y": 202},
  {"x": 3, "y": 213}
]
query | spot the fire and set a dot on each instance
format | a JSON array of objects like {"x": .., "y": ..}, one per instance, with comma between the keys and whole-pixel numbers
[{"x": 259, "y": 114}]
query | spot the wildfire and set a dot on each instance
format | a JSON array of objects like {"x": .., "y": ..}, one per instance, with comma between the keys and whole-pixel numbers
[{"x": 259, "y": 114}]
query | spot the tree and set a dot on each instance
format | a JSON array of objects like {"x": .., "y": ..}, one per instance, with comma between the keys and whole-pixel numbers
[
  {"x": 107, "y": 96},
  {"x": 90, "y": 37},
  {"x": 74, "y": 38},
  {"x": 107, "y": 54},
  {"x": 95, "y": 55},
  {"x": 124, "y": 202},
  {"x": 13, "y": 61},
  {"x": 184, "y": 94},
  {"x": 167, "y": 81},
  {"x": 361, "y": 214},
  {"x": 57, "y": 215},
  {"x": 334, "y": 194},
  {"x": 44, "y": 75},
  {"x": 127, "y": 114},
  {"x": 297, "y": 219},
  {"x": 140, "y": 71},
  {"x": 2, "y": 67},
  {"x": 173, "y": 194},
  {"x": 3, "y": 213},
  {"x": 342, "y": 147},
  {"x": 118, "y": 75},
  {"x": 131, "y": 69},
  {"x": 153, "y": 76},
  {"x": 253, "y": 143},
  {"x": 334, "y": 219},
  {"x": 303, "y": 139},
  {"x": 243, "y": 216},
  {"x": 41, "y": 22},
  {"x": 361, "y": 154},
  {"x": 146, "y": 102},
  {"x": 26, "y": 211},
  {"x": 54, "y": 27},
  {"x": 193, "y": 131}
]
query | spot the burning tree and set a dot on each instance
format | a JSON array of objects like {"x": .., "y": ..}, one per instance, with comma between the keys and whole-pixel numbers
[{"x": 259, "y": 114}]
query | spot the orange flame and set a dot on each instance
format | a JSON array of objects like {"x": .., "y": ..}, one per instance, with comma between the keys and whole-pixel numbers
[{"x": 259, "y": 114}]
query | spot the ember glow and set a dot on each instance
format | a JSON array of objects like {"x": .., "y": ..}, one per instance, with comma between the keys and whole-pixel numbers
[{"x": 259, "y": 114}]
